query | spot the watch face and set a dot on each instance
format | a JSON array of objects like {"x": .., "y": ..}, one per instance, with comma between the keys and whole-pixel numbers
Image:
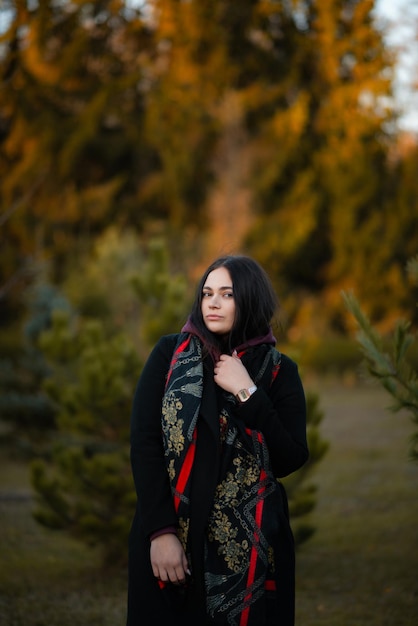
[{"x": 243, "y": 395}]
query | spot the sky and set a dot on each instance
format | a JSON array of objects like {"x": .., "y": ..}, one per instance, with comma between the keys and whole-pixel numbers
[{"x": 403, "y": 35}]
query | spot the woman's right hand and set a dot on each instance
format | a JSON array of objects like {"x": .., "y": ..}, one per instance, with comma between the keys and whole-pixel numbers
[{"x": 168, "y": 559}]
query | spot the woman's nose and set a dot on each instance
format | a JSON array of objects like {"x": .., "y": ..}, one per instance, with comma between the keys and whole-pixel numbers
[{"x": 214, "y": 301}]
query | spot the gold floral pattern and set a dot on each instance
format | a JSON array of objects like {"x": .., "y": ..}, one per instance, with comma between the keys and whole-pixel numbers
[
  {"x": 221, "y": 529},
  {"x": 183, "y": 531},
  {"x": 172, "y": 424},
  {"x": 171, "y": 470},
  {"x": 236, "y": 555},
  {"x": 228, "y": 495},
  {"x": 248, "y": 471}
]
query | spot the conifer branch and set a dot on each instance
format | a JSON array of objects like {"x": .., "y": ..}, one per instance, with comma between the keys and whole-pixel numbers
[{"x": 391, "y": 369}]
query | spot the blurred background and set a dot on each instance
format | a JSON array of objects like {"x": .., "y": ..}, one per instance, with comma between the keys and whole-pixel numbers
[{"x": 139, "y": 140}]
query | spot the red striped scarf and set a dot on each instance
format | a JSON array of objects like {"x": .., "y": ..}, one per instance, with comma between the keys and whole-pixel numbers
[{"x": 243, "y": 524}]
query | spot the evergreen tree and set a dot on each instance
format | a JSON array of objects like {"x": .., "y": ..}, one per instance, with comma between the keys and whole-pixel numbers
[
  {"x": 127, "y": 285},
  {"x": 84, "y": 484},
  {"x": 389, "y": 363},
  {"x": 174, "y": 109},
  {"x": 23, "y": 405},
  {"x": 320, "y": 194},
  {"x": 70, "y": 116},
  {"x": 302, "y": 493}
]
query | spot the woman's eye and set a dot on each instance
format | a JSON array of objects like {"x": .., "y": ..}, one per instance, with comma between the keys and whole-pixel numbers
[{"x": 207, "y": 294}]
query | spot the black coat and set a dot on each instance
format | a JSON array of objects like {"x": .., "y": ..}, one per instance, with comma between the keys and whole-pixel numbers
[{"x": 277, "y": 410}]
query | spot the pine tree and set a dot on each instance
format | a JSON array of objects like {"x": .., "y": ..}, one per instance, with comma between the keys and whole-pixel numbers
[
  {"x": 268, "y": 116},
  {"x": 389, "y": 363},
  {"x": 323, "y": 166},
  {"x": 84, "y": 484},
  {"x": 163, "y": 297},
  {"x": 26, "y": 409},
  {"x": 70, "y": 114},
  {"x": 302, "y": 493}
]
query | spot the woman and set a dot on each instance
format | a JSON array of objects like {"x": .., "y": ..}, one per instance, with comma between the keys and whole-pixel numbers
[{"x": 218, "y": 415}]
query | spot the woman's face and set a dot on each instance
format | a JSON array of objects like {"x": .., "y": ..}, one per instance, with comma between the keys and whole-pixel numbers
[{"x": 218, "y": 304}]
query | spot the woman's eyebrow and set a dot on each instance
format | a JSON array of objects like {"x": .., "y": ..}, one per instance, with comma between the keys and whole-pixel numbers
[{"x": 220, "y": 288}]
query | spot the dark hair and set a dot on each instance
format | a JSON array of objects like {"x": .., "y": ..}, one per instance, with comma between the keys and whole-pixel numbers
[{"x": 255, "y": 301}]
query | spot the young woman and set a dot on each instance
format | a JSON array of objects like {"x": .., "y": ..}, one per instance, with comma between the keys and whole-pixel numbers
[{"x": 218, "y": 416}]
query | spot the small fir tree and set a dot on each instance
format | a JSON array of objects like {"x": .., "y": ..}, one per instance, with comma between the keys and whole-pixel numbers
[
  {"x": 84, "y": 485},
  {"x": 388, "y": 363},
  {"x": 164, "y": 298},
  {"x": 24, "y": 406},
  {"x": 302, "y": 493}
]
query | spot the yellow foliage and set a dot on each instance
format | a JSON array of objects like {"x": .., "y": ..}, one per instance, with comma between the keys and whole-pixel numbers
[
  {"x": 289, "y": 124},
  {"x": 35, "y": 58}
]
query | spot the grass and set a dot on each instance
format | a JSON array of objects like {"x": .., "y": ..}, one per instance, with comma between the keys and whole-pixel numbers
[
  {"x": 359, "y": 568},
  {"x": 361, "y": 565},
  {"x": 46, "y": 578}
]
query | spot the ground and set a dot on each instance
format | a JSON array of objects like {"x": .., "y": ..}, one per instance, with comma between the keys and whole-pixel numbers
[{"x": 359, "y": 568}]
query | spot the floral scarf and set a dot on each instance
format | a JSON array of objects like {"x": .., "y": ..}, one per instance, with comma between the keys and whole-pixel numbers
[{"x": 243, "y": 523}]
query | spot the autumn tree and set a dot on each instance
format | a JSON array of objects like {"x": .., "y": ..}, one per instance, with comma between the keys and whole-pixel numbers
[
  {"x": 291, "y": 104},
  {"x": 322, "y": 185},
  {"x": 270, "y": 117},
  {"x": 72, "y": 149}
]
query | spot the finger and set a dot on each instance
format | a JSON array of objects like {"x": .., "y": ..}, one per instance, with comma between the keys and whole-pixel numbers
[
  {"x": 177, "y": 577},
  {"x": 181, "y": 575},
  {"x": 180, "y": 580},
  {"x": 186, "y": 565}
]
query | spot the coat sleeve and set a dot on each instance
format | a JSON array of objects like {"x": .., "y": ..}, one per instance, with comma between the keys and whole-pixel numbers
[
  {"x": 280, "y": 414},
  {"x": 155, "y": 503}
]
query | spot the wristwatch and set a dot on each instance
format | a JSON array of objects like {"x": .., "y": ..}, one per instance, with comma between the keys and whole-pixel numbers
[{"x": 243, "y": 395}]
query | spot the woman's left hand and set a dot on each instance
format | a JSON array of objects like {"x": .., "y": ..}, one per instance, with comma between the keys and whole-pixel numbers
[{"x": 231, "y": 374}]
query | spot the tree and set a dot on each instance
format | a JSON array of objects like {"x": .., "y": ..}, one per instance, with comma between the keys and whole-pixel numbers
[
  {"x": 83, "y": 482},
  {"x": 271, "y": 117},
  {"x": 323, "y": 196},
  {"x": 389, "y": 363},
  {"x": 85, "y": 485},
  {"x": 24, "y": 406},
  {"x": 301, "y": 493},
  {"x": 71, "y": 139}
]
